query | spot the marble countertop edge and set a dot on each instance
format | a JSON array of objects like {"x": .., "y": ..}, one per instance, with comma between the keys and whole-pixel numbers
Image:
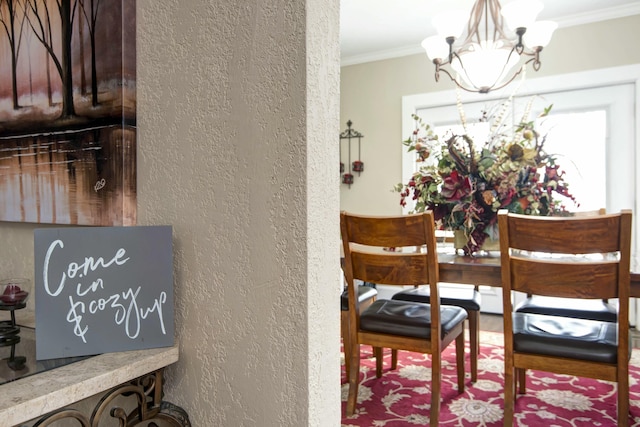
[{"x": 36, "y": 395}]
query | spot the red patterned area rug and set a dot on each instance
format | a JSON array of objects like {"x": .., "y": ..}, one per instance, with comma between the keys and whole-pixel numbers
[{"x": 401, "y": 397}]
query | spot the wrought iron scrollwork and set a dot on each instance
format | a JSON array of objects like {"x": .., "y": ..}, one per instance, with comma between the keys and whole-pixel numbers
[
  {"x": 150, "y": 410},
  {"x": 356, "y": 166}
]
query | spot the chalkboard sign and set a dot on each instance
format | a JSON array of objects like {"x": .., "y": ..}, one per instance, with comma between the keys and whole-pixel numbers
[{"x": 102, "y": 289}]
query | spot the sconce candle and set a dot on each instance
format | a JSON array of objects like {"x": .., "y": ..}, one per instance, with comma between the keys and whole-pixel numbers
[{"x": 347, "y": 178}]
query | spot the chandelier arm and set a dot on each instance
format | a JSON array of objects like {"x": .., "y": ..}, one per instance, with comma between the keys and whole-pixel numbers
[
  {"x": 473, "y": 26},
  {"x": 536, "y": 59},
  {"x": 458, "y": 82},
  {"x": 516, "y": 74},
  {"x": 488, "y": 8},
  {"x": 496, "y": 17},
  {"x": 486, "y": 21},
  {"x": 437, "y": 74}
]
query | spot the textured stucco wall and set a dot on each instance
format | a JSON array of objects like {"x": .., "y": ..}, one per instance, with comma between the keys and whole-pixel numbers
[
  {"x": 237, "y": 134},
  {"x": 323, "y": 201},
  {"x": 238, "y": 119}
]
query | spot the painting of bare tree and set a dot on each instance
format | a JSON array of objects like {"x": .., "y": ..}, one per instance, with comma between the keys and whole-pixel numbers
[{"x": 68, "y": 111}]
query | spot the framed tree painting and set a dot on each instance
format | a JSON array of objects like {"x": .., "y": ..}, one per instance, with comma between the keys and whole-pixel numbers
[{"x": 68, "y": 111}]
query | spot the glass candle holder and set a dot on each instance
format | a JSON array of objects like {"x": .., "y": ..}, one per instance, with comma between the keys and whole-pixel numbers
[{"x": 14, "y": 291}]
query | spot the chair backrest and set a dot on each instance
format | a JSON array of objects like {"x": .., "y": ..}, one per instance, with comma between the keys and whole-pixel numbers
[
  {"x": 580, "y": 214},
  {"x": 594, "y": 212},
  {"x": 571, "y": 257},
  {"x": 413, "y": 262}
]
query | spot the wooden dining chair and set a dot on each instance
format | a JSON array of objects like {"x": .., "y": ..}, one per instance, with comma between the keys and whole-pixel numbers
[
  {"x": 571, "y": 257},
  {"x": 366, "y": 296},
  {"x": 467, "y": 298},
  {"x": 401, "y": 325},
  {"x": 595, "y": 309}
]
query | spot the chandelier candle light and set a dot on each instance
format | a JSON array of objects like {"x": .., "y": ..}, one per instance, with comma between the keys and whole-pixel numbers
[{"x": 490, "y": 56}]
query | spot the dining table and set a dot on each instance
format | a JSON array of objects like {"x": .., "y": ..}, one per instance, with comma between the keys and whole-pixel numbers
[{"x": 485, "y": 270}]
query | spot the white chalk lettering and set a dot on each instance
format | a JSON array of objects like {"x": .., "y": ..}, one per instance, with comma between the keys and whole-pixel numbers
[
  {"x": 73, "y": 268},
  {"x": 102, "y": 303},
  {"x": 133, "y": 307},
  {"x": 126, "y": 310},
  {"x": 94, "y": 287},
  {"x": 90, "y": 264},
  {"x": 157, "y": 306},
  {"x": 45, "y": 271},
  {"x": 87, "y": 299},
  {"x": 75, "y": 318}
]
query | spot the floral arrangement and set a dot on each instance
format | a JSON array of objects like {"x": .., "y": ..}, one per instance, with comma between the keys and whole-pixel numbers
[{"x": 465, "y": 185}]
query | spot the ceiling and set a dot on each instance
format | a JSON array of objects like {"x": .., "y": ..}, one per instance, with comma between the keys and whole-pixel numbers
[{"x": 372, "y": 30}]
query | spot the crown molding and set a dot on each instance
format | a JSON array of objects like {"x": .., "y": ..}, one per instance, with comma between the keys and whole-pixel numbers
[
  {"x": 599, "y": 15},
  {"x": 563, "y": 22},
  {"x": 381, "y": 55}
]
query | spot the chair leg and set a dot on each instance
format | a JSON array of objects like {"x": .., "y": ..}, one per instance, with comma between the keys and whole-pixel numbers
[
  {"x": 521, "y": 374},
  {"x": 509, "y": 393},
  {"x": 474, "y": 342},
  {"x": 346, "y": 343},
  {"x": 436, "y": 377},
  {"x": 623, "y": 397},
  {"x": 394, "y": 359},
  {"x": 378, "y": 353},
  {"x": 460, "y": 361},
  {"x": 354, "y": 379}
]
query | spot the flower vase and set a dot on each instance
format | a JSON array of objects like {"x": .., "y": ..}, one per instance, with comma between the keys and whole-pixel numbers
[{"x": 460, "y": 241}]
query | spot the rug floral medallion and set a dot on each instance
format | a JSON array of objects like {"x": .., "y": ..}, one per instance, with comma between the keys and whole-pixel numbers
[{"x": 401, "y": 397}]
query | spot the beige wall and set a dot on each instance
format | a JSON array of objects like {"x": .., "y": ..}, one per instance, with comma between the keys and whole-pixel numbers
[
  {"x": 371, "y": 96},
  {"x": 237, "y": 118}
]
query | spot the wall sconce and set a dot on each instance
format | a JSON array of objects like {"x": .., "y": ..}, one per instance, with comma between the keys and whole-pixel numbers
[{"x": 356, "y": 166}]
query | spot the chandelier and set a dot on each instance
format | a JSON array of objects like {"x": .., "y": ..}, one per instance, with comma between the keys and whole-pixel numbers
[{"x": 490, "y": 56}]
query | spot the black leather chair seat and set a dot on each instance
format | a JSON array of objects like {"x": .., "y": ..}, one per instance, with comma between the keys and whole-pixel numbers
[
  {"x": 411, "y": 319},
  {"x": 565, "y": 337},
  {"x": 467, "y": 298},
  {"x": 567, "y": 307},
  {"x": 364, "y": 293}
]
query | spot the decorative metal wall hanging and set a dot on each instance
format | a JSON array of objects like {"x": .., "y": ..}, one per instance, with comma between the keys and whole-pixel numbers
[{"x": 357, "y": 165}]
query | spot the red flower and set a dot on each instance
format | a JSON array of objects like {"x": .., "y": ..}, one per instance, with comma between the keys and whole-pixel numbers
[
  {"x": 427, "y": 180},
  {"x": 507, "y": 197},
  {"x": 456, "y": 187}
]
